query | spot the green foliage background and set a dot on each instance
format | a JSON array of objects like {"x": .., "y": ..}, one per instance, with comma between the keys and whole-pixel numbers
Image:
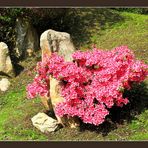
[{"x": 62, "y": 19}]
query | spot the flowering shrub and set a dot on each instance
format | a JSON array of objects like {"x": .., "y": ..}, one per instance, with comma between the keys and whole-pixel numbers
[{"x": 92, "y": 83}]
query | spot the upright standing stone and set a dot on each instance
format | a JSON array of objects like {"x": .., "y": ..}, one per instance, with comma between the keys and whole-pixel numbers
[
  {"x": 53, "y": 41},
  {"x": 6, "y": 67},
  {"x": 27, "y": 40},
  {"x": 60, "y": 42}
]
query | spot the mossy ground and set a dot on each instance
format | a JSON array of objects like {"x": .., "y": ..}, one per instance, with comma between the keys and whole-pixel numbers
[{"x": 131, "y": 122}]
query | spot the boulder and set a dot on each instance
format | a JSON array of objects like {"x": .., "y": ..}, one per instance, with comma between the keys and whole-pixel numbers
[
  {"x": 6, "y": 67},
  {"x": 54, "y": 41},
  {"x": 27, "y": 40},
  {"x": 4, "y": 84},
  {"x": 44, "y": 123}
]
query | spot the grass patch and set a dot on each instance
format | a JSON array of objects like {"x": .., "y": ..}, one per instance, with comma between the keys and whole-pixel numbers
[
  {"x": 132, "y": 31},
  {"x": 15, "y": 115}
]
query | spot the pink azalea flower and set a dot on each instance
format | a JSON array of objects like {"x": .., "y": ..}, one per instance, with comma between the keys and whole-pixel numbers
[{"x": 92, "y": 84}]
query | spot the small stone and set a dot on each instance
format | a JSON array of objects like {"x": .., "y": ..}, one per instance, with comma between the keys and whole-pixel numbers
[
  {"x": 4, "y": 84},
  {"x": 44, "y": 123}
]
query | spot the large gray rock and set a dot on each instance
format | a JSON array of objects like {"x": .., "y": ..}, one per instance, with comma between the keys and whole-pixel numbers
[
  {"x": 4, "y": 84},
  {"x": 6, "y": 67},
  {"x": 44, "y": 123},
  {"x": 27, "y": 40},
  {"x": 54, "y": 41}
]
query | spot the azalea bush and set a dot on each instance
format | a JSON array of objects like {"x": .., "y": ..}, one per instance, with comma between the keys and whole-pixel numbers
[{"x": 92, "y": 83}]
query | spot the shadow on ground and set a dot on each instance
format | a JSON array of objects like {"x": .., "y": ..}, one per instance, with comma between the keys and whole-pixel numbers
[
  {"x": 18, "y": 68},
  {"x": 138, "y": 98},
  {"x": 81, "y": 23}
]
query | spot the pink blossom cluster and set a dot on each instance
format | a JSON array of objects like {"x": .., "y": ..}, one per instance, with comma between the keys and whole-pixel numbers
[
  {"x": 40, "y": 85},
  {"x": 92, "y": 83}
]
